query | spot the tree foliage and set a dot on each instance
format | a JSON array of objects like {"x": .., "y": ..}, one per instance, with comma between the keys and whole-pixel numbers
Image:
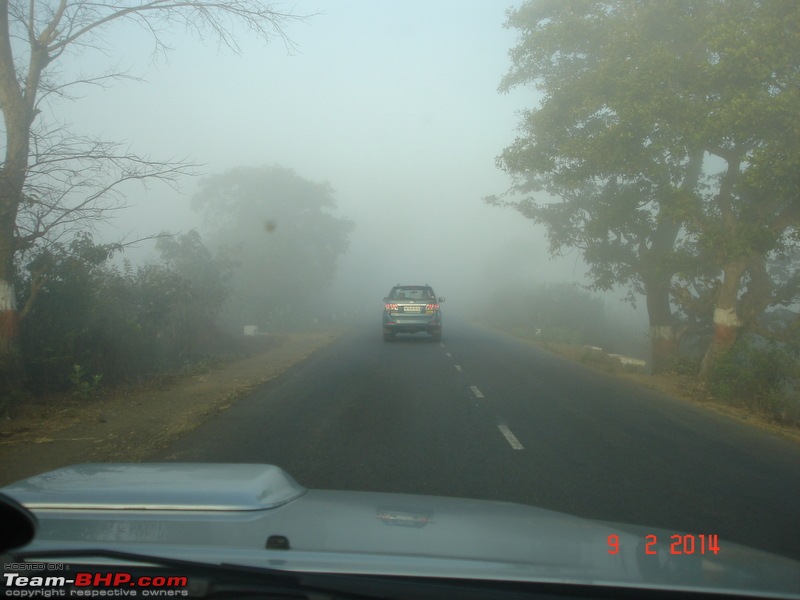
[
  {"x": 281, "y": 231},
  {"x": 664, "y": 147}
]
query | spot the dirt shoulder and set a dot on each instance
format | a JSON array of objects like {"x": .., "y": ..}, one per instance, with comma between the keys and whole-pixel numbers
[{"x": 132, "y": 424}]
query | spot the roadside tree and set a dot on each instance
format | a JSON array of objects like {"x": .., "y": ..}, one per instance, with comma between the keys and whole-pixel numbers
[
  {"x": 280, "y": 231},
  {"x": 662, "y": 148},
  {"x": 52, "y": 181}
]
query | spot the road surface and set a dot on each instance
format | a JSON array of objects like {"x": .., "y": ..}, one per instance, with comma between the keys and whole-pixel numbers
[{"x": 484, "y": 415}]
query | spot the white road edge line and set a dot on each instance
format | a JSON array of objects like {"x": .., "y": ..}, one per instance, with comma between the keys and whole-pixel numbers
[
  {"x": 476, "y": 391},
  {"x": 458, "y": 367},
  {"x": 510, "y": 437},
  {"x": 448, "y": 354}
]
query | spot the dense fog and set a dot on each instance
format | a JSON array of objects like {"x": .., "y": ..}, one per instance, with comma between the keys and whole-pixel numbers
[
  {"x": 618, "y": 174},
  {"x": 395, "y": 106}
]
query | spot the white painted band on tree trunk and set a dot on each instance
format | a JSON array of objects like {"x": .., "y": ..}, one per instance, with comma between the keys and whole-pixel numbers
[
  {"x": 8, "y": 299},
  {"x": 726, "y": 317},
  {"x": 661, "y": 332}
]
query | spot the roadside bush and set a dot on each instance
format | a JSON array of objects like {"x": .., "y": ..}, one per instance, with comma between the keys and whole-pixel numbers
[
  {"x": 559, "y": 312},
  {"x": 765, "y": 377},
  {"x": 94, "y": 321},
  {"x": 686, "y": 365}
]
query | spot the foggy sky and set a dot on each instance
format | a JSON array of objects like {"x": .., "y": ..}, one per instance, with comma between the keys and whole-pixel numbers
[{"x": 394, "y": 104}]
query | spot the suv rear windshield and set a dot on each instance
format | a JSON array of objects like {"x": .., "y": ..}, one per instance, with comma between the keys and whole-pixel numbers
[{"x": 413, "y": 292}]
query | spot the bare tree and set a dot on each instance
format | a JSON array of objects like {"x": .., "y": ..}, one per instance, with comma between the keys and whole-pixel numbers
[{"x": 52, "y": 182}]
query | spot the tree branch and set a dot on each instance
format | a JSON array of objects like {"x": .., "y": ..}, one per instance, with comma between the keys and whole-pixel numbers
[{"x": 254, "y": 14}]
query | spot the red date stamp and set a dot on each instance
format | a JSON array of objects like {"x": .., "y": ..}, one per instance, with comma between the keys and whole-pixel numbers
[{"x": 678, "y": 544}]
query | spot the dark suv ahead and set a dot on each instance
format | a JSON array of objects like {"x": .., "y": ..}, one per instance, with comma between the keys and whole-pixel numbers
[{"x": 412, "y": 308}]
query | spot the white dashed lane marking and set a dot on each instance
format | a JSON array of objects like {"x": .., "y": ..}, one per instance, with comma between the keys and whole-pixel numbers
[{"x": 510, "y": 437}]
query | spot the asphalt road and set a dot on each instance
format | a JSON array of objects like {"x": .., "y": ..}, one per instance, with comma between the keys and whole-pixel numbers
[{"x": 483, "y": 415}]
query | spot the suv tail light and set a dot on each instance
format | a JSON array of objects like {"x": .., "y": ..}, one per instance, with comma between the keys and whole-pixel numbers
[
  {"x": 390, "y": 306},
  {"x": 432, "y": 307}
]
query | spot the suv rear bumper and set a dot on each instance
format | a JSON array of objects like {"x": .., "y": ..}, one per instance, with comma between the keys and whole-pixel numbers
[
  {"x": 408, "y": 328},
  {"x": 432, "y": 325}
]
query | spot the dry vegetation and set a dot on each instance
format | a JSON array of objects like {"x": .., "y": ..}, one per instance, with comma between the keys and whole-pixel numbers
[{"x": 131, "y": 423}]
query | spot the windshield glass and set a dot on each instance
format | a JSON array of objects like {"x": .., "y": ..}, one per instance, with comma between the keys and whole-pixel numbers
[
  {"x": 210, "y": 218},
  {"x": 412, "y": 293}
]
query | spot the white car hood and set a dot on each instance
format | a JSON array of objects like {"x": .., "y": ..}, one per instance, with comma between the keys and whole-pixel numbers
[{"x": 243, "y": 514}]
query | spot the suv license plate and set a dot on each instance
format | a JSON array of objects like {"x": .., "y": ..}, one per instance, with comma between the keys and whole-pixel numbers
[{"x": 411, "y": 309}]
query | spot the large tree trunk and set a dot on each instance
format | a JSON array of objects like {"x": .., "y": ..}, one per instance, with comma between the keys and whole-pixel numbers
[
  {"x": 11, "y": 375},
  {"x": 726, "y": 319},
  {"x": 727, "y": 323},
  {"x": 657, "y": 274},
  {"x": 657, "y": 284},
  {"x": 662, "y": 333},
  {"x": 17, "y": 104},
  {"x": 12, "y": 178}
]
